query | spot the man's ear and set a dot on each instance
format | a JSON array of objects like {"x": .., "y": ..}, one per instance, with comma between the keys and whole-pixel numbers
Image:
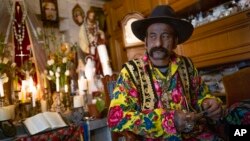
[
  {"x": 146, "y": 43},
  {"x": 175, "y": 42}
]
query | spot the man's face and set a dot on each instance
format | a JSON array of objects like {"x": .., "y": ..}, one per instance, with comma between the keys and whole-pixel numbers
[
  {"x": 50, "y": 11},
  {"x": 160, "y": 41}
]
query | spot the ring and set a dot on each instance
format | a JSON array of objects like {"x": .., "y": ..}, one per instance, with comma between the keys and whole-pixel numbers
[{"x": 188, "y": 127}]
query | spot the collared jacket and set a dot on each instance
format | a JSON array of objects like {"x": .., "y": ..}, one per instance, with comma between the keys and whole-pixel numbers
[{"x": 145, "y": 99}]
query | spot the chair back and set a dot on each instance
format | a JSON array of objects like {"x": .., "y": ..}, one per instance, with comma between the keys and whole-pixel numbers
[
  {"x": 109, "y": 82},
  {"x": 237, "y": 86}
]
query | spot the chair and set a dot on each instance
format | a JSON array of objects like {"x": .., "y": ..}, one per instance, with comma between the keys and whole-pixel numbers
[
  {"x": 109, "y": 85},
  {"x": 237, "y": 86}
]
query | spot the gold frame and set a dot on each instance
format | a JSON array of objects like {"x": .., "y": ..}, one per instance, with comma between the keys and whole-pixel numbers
[{"x": 129, "y": 39}]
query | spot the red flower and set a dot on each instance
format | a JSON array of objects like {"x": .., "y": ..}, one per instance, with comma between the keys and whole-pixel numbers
[
  {"x": 133, "y": 92},
  {"x": 157, "y": 88},
  {"x": 121, "y": 88},
  {"x": 128, "y": 116},
  {"x": 176, "y": 96},
  {"x": 138, "y": 122},
  {"x": 115, "y": 116},
  {"x": 168, "y": 123}
]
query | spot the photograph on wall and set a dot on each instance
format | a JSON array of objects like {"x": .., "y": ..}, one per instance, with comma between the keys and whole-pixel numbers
[{"x": 49, "y": 12}]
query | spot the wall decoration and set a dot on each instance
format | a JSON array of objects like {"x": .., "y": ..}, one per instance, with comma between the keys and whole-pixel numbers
[
  {"x": 129, "y": 38},
  {"x": 78, "y": 15},
  {"x": 49, "y": 12}
]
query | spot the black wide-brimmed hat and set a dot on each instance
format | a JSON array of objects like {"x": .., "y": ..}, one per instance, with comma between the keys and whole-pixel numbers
[{"x": 163, "y": 14}]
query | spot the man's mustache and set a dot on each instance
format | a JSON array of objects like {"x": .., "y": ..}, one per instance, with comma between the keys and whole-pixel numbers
[{"x": 161, "y": 49}]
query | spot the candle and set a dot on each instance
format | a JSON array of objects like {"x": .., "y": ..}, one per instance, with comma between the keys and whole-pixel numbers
[
  {"x": 85, "y": 84},
  {"x": 44, "y": 81},
  {"x": 24, "y": 90},
  {"x": 43, "y": 105},
  {"x": 66, "y": 88},
  {"x": 57, "y": 84},
  {"x": 1, "y": 88},
  {"x": 78, "y": 101},
  {"x": 33, "y": 90},
  {"x": 80, "y": 85}
]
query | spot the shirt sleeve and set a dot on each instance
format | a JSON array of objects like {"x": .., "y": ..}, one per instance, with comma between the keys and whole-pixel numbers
[
  {"x": 125, "y": 113},
  {"x": 200, "y": 89}
]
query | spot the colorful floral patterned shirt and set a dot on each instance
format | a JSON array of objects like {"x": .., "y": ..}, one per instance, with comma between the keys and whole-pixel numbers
[{"x": 144, "y": 99}]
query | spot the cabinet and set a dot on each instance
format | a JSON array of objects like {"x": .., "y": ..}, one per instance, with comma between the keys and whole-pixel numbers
[{"x": 223, "y": 41}]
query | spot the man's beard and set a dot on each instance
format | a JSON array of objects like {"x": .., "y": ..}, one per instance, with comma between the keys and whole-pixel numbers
[{"x": 159, "y": 53}]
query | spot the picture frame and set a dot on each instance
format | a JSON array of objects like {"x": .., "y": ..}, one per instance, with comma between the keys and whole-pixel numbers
[
  {"x": 49, "y": 12},
  {"x": 78, "y": 15},
  {"x": 129, "y": 38}
]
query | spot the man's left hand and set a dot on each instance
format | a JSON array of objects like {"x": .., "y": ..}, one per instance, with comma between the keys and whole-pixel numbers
[{"x": 213, "y": 108}]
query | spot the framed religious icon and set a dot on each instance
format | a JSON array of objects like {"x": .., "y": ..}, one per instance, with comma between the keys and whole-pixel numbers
[
  {"x": 78, "y": 15},
  {"x": 49, "y": 12},
  {"x": 129, "y": 38}
]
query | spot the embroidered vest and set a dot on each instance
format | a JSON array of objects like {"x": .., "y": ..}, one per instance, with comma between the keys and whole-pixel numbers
[{"x": 143, "y": 80}]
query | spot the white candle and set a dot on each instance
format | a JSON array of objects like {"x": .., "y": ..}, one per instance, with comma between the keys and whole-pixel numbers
[
  {"x": 33, "y": 90},
  {"x": 66, "y": 88},
  {"x": 57, "y": 84},
  {"x": 85, "y": 84},
  {"x": 43, "y": 105},
  {"x": 1, "y": 88},
  {"x": 80, "y": 85},
  {"x": 78, "y": 101}
]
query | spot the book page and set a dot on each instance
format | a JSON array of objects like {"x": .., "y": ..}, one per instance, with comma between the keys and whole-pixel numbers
[
  {"x": 36, "y": 124},
  {"x": 55, "y": 120}
]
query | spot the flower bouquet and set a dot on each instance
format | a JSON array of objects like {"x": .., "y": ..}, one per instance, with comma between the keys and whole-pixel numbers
[{"x": 6, "y": 66}]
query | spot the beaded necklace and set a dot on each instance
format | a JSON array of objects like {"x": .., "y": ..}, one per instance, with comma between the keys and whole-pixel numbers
[
  {"x": 91, "y": 34},
  {"x": 19, "y": 27}
]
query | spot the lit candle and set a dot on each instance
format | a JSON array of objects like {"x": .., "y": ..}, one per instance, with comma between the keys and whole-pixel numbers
[
  {"x": 24, "y": 90},
  {"x": 1, "y": 88},
  {"x": 66, "y": 88},
  {"x": 57, "y": 84},
  {"x": 44, "y": 81}
]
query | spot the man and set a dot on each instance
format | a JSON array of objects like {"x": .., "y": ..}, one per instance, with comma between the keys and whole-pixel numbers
[
  {"x": 161, "y": 96},
  {"x": 49, "y": 10}
]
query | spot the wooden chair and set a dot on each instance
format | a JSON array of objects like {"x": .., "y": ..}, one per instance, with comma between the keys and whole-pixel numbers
[
  {"x": 237, "y": 86},
  {"x": 109, "y": 84}
]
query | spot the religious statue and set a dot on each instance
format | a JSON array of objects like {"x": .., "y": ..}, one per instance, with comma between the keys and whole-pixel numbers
[{"x": 91, "y": 37}]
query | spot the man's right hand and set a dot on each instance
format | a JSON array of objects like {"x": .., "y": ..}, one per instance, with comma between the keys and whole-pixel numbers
[{"x": 185, "y": 121}]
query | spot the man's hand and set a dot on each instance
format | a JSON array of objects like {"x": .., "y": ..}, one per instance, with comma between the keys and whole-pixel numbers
[
  {"x": 185, "y": 121},
  {"x": 212, "y": 108}
]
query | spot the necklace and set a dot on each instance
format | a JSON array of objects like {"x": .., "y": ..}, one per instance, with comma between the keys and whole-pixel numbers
[
  {"x": 91, "y": 31},
  {"x": 19, "y": 32},
  {"x": 162, "y": 91}
]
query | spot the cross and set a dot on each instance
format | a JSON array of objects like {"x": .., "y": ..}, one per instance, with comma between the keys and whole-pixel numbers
[{"x": 22, "y": 55}]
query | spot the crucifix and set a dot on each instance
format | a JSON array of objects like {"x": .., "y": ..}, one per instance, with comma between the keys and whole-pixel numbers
[{"x": 22, "y": 55}]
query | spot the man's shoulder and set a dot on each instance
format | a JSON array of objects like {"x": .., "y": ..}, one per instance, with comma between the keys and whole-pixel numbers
[{"x": 134, "y": 61}]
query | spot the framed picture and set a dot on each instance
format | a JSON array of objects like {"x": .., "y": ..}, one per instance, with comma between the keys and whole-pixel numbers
[
  {"x": 129, "y": 38},
  {"x": 78, "y": 14},
  {"x": 49, "y": 12}
]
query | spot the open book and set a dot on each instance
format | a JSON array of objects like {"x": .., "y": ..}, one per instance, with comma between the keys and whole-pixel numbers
[{"x": 44, "y": 122}]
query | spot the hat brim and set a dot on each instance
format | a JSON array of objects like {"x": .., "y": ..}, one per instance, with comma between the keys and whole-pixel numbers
[{"x": 183, "y": 28}]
